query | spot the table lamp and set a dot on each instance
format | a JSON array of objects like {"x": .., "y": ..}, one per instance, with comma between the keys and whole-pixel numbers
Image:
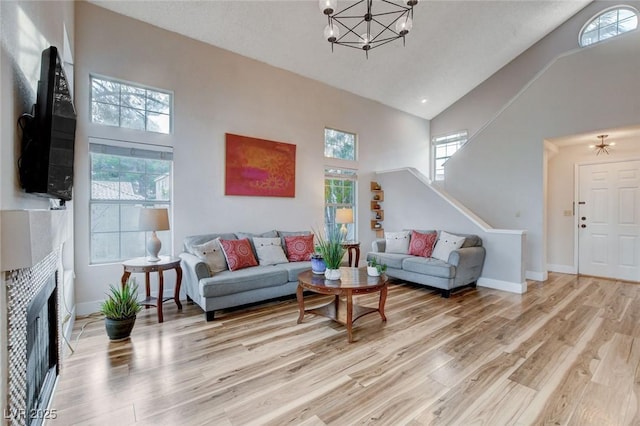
[
  {"x": 153, "y": 219},
  {"x": 344, "y": 216}
]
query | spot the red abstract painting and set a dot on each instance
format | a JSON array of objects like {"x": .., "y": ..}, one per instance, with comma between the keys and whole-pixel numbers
[{"x": 259, "y": 167}]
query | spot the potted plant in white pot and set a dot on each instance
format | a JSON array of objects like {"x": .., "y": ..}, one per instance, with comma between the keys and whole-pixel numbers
[
  {"x": 374, "y": 268},
  {"x": 120, "y": 310},
  {"x": 332, "y": 251}
]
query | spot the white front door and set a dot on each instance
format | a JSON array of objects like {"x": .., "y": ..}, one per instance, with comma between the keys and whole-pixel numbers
[{"x": 609, "y": 220}]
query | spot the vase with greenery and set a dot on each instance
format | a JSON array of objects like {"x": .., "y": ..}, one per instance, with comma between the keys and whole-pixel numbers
[
  {"x": 120, "y": 310},
  {"x": 330, "y": 246}
]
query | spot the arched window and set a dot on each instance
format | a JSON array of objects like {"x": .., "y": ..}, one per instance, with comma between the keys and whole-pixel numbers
[{"x": 610, "y": 23}]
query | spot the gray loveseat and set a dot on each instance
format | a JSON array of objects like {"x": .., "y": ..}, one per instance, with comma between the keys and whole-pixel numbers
[
  {"x": 463, "y": 267},
  {"x": 227, "y": 289}
]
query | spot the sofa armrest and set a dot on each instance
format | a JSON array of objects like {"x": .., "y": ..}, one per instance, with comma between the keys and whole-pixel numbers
[
  {"x": 195, "y": 265},
  {"x": 468, "y": 262},
  {"x": 379, "y": 245},
  {"x": 467, "y": 257}
]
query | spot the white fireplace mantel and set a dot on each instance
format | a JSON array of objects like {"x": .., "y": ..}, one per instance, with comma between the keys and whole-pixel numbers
[{"x": 27, "y": 236}]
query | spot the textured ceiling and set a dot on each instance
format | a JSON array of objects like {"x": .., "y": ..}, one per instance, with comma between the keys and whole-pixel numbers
[{"x": 453, "y": 47}]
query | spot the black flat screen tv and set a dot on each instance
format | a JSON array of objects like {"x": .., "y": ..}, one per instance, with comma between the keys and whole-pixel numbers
[{"x": 46, "y": 163}]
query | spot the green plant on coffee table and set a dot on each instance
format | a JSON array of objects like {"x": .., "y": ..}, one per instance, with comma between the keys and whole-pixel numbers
[
  {"x": 121, "y": 302},
  {"x": 380, "y": 267},
  {"x": 330, "y": 247}
]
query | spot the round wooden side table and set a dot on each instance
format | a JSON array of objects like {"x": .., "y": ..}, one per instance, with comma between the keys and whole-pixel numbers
[{"x": 140, "y": 265}]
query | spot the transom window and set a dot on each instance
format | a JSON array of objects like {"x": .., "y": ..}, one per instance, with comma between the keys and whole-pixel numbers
[
  {"x": 340, "y": 145},
  {"x": 123, "y": 180},
  {"x": 443, "y": 148},
  {"x": 121, "y": 104},
  {"x": 610, "y": 23}
]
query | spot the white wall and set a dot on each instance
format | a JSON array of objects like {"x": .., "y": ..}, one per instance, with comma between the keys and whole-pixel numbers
[
  {"x": 479, "y": 106},
  {"x": 562, "y": 183},
  {"x": 27, "y": 28},
  {"x": 217, "y": 91},
  {"x": 499, "y": 173},
  {"x": 410, "y": 202}
]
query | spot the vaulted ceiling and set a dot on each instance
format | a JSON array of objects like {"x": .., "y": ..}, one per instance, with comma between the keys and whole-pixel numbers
[{"x": 453, "y": 46}]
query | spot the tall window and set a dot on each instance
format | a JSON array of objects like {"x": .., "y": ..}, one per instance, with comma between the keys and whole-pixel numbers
[
  {"x": 123, "y": 180},
  {"x": 340, "y": 193},
  {"x": 610, "y": 23},
  {"x": 443, "y": 148},
  {"x": 340, "y": 178},
  {"x": 120, "y": 104}
]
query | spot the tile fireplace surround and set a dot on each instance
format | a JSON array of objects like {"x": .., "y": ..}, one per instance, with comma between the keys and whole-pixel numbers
[{"x": 32, "y": 242}]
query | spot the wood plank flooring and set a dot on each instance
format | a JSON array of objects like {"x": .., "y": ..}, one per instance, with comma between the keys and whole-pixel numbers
[{"x": 567, "y": 352}]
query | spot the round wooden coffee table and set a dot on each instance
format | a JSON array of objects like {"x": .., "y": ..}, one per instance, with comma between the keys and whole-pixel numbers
[{"x": 353, "y": 281}]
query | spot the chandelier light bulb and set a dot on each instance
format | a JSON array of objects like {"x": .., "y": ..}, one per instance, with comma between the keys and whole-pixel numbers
[
  {"x": 331, "y": 33},
  {"x": 404, "y": 25},
  {"x": 328, "y": 6},
  {"x": 365, "y": 39}
]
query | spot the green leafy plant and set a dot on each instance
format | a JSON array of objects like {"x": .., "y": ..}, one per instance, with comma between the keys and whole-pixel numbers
[
  {"x": 121, "y": 302},
  {"x": 380, "y": 267},
  {"x": 330, "y": 247}
]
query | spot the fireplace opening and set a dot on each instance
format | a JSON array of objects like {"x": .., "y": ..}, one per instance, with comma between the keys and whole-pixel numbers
[{"x": 42, "y": 348}]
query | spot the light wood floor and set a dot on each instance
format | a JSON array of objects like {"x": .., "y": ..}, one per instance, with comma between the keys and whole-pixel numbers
[{"x": 567, "y": 352}]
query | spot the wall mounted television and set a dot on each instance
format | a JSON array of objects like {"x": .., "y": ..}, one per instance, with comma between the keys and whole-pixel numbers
[{"x": 46, "y": 161}]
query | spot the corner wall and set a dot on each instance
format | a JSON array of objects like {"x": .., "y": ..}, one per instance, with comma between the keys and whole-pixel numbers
[
  {"x": 499, "y": 174},
  {"x": 479, "y": 106},
  {"x": 216, "y": 91}
]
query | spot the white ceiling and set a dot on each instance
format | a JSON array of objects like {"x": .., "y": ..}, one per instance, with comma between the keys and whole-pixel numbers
[{"x": 453, "y": 47}]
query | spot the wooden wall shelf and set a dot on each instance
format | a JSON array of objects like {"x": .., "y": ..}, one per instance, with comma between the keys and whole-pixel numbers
[{"x": 377, "y": 212}]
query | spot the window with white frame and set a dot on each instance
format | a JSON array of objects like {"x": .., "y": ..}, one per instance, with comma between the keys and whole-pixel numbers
[
  {"x": 340, "y": 145},
  {"x": 443, "y": 148},
  {"x": 124, "y": 179},
  {"x": 340, "y": 193},
  {"x": 610, "y": 23},
  {"x": 122, "y": 104},
  {"x": 340, "y": 179}
]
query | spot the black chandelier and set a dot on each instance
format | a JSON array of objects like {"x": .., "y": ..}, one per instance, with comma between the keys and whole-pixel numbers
[{"x": 365, "y": 29}]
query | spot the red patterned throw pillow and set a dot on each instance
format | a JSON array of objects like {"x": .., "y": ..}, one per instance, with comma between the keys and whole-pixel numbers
[
  {"x": 299, "y": 247},
  {"x": 238, "y": 254},
  {"x": 422, "y": 244}
]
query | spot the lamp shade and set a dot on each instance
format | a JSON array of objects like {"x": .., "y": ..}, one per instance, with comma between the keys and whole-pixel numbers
[
  {"x": 344, "y": 215},
  {"x": 154, "y": 219}
]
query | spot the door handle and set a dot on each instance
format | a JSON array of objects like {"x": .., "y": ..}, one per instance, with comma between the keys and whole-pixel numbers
[
  {"x": 583, "y": 218},
  {"x": 583, "y": 226}
]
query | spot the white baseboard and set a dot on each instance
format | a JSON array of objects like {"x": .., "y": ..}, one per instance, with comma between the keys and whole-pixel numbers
[
  {"x": 87, "y": 308},
  {"x": 536, "y": 276},
  {"x": 511, "y": 287},
  {"x": 562, "y": 269}
]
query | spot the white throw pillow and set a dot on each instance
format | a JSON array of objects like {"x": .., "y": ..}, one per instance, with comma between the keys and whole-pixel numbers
[
  {"x": 269, "y": 251},
  {"x": 211, "y": 253},
  {"x": 397, "y": 242},
  {"x": 445, "y": 245}
]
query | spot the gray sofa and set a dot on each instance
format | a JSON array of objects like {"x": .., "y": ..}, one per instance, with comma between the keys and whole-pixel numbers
[
  {"x": 227, "y": 289},
  {"x": 463, "y": 267}
]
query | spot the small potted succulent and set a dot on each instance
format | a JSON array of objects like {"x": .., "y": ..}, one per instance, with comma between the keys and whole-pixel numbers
[
  {"x": 120, "y": 310},
  {"x": 374, "y": 268}
]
